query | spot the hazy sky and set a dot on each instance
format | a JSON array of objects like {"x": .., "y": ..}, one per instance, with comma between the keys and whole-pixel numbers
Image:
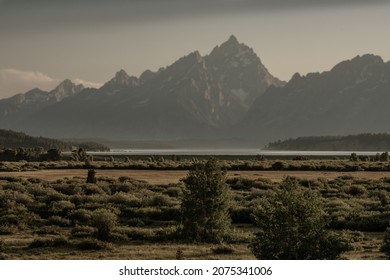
[{"x": 45, "y": 41}]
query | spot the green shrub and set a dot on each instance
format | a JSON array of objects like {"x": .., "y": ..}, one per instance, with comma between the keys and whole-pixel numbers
[
  {"x": 82, "y": 231},
  {"x": 117, "y": 236},
  {"x": 279, "y": 165},
  {"x": 104, "y": 221},
  {"x": 90, "y": 189},
  {"x": 8, "y": 229},
  {"x": 164, "y": 213},
  {"x": 127, "y": 199},
  {"x": 166, "y": 234},
  {"x": 2, "y": 246},
  {"x": 223, "y": 250},
  {"x": 46, "y": 242},
  {"x": 136, "y": 233},
  {"x": 53, "y": 229},
  {"x": 239, "y": 183},
  {"x": 91, "y": 244},
  {"x": 135, "y": 222},
  {"x": 60, "y": 242},
  {"x": 241, "y": 215},
  {"x": 385, "y": 248},
  {"x": 80, "y": 216},
  {"x": 291, "y": 225},
  {"x": 59, "y": 221},
  {"x": 355, "y": 190},
  {"x": 160, "y": 200},
  {"x": 173, "y": 191}
]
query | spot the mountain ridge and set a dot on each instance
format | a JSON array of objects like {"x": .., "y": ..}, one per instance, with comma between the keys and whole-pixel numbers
[
  {"x": 348, "y": 99},
  {"x": 226, "y": 94},
  {"x": 196, "y": 96}
]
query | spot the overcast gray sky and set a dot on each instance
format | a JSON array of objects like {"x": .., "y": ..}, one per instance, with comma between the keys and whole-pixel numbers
[{"x": 45, "y": 41}]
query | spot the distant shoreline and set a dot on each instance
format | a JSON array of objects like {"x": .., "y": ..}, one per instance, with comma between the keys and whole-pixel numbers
[{"x": 229, "y": 152}]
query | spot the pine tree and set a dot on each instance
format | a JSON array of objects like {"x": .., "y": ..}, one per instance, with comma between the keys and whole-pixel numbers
[
  {"x": 206, "y": 202},
  {"x": 91, "y": 177}
]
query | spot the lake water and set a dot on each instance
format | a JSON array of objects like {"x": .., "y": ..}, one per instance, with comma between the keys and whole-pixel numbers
[{"x": 232, "y": 152}]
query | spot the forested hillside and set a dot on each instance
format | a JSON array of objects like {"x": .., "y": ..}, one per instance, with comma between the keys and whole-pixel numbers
[
  {"x": 360, "y": 142},
  {"x": 12, "y": 140}
]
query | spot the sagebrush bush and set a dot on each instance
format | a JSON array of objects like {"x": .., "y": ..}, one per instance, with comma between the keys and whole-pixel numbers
[
  {"x": 49, "y": 242},
  {"x": 223, "y": 249},
  {"x": 91, "y": 244},
  {"x": 136, "y": 233},
  {"x": 173, "y": 191},
  {"x": 80, "y": 216},
  {"x": 104, "y": 221},
  {"x": 160, "y": 200},
  {"x": 385, "y": 248},
  {"x": 82, "y": 231},
  {"x": 59, "y": 221},
  {"x": 2, "y": 246},
  {"x": 52, "y": 229}
]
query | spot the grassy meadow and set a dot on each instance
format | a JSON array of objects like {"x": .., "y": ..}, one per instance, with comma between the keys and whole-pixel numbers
[{"x": 48, "y": 211}]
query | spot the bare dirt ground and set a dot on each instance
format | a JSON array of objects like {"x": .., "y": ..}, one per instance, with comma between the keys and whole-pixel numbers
[{"x": 174, "y": 176}]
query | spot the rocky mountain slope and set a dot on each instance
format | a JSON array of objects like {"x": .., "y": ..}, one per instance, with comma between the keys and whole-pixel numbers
[
  {"x": 353, "y": 97},
  {"x": 227, "y": 94},
  {"x": 195, "y": 97}
]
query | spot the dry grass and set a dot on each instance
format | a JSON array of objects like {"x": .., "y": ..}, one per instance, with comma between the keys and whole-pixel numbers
[
  {"x": 174, "y": 176},
  {"x": 366, "y": 249},
  {"x": 336, "y": 194},
  {"x": 17, "y": 248}
]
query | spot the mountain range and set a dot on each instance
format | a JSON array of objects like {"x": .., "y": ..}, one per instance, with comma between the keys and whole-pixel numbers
[{"x": 227, "y": 94}]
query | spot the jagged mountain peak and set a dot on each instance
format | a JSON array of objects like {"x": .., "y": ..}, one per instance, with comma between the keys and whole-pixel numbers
[
  {"x": 231, "y": 43},
  {"x": 233, "y": 54},
  {"x": 121, "y": 75},
  {"x": 193, "y": 57},
  {"x": 195, "y": 94},
  {"x": 147, "y": 75},
  {"x": 359, "y": 62},
  {"x": 367, "y": 58},
  {"x": 68, "y": 85},
  {"x": 232, "y": 40},
  {"x": 358, "y": 69},
  {"x": 119, "y": 81},
  {"x": 230, "y": 47},
  {"x": 65, "y": 89}
]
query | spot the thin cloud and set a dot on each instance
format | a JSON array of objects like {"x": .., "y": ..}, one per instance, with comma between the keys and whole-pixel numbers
[
  {"x": 14, "y": 81},
  {"x": 87, "y": 83}
]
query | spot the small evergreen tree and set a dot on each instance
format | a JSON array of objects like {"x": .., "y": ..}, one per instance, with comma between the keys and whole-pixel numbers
[
  {"x": 91, "y": 177},
  {"x": 354, "y": 157},
  {"x": 53, "y": 155},
  {"x": 206, "y": 202},
  {"x": 384, "y": 156},
  {"x": 291, "y": 225}
]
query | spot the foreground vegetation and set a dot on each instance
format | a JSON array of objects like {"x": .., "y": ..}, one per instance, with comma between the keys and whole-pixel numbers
[
  {"x": 298, "y": 163},
  {"x": 127, "y": 218}
]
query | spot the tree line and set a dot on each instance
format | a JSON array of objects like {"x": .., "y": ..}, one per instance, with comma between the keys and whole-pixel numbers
[
  {"x": 360, "y": 142},
  {"x": 14, "y": 140},
  {"x": 30, "y": 154}
]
